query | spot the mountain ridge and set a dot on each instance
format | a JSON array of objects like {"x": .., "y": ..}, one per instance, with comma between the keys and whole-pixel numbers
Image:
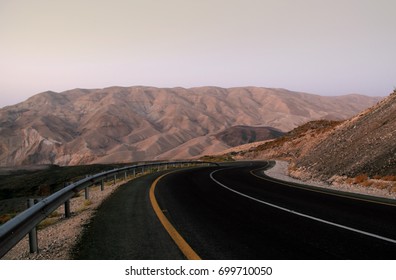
[{"x": 123, "y": 124}]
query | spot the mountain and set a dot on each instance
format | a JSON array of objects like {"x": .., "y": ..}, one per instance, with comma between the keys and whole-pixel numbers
[{"x": 124, "y": 124}]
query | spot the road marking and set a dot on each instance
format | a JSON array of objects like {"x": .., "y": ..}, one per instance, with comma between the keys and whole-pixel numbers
[
  {"x": 301, "y": 214},
  {"x": 174, "y": 234},
  {"x": 319, "y": 191}
]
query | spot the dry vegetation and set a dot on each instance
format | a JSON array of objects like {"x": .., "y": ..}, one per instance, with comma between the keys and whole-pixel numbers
[
  {"x": 219, "y": 158},
  {"x": 380, "y": 182}
]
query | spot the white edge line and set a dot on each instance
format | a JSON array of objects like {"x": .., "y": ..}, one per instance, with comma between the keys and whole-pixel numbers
[{"x": 301, "y": 214}]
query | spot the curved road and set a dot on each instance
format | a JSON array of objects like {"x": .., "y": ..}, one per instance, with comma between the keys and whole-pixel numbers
[{"x": 235, "y": 212}]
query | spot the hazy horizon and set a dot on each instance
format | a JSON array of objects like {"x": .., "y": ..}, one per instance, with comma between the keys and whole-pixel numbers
[{"x": 319, "y": 47}]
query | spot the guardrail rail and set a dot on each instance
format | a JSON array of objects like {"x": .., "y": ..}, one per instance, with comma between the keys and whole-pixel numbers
[{"x": 25, "y": 223}]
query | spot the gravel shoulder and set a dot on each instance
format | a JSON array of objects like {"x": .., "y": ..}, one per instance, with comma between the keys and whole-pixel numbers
[
  {"x": 280, "y": 171},
  {"x": 58, "y": 235}
]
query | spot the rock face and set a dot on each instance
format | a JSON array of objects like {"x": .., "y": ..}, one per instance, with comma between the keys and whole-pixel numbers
[
  {"x": 364, "y": 144},
  {"x": 144, "y": 123}
]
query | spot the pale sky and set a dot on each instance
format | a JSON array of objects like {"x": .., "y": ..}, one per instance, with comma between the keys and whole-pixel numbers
[{"x": 324, "y": 47}]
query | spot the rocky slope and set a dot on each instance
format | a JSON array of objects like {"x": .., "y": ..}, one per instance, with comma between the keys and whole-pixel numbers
[
  {"x": 292, "y": 145},
  {"x": 365, "y": 144},
  {"x": 144, "y": 123}
]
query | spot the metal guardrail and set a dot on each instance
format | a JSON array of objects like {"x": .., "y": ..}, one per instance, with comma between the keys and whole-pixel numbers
[{"x": 17, "y": 228}]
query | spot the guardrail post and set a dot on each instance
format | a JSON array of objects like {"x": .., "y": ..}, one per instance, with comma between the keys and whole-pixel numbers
[
  {"x": 125, "y": 176},
  {"x": 67, "y": 209},
  {"x": 102, "y": 185},
  {"x": 115, "y": 178},
  {"x": 87, "y": 193},
  {"x": 33, "y": 244},
  {"x": 134, "y": 172}
]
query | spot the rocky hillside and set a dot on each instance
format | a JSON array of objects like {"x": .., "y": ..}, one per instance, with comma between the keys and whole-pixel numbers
[
  {"x": 291, "y": 146},
  {"x": 365, "y": 144},
  {"x": 143, "y": 123}
]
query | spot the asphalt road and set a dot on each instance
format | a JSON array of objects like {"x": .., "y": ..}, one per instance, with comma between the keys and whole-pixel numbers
[
  {"x": 233, "y": 213},
  {"x": 126, "y": 227}
]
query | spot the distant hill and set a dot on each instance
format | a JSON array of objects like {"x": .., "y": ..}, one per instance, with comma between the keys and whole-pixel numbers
[
  {"x": 123, "y": 124},
  {"x": 242, "y": 134}
]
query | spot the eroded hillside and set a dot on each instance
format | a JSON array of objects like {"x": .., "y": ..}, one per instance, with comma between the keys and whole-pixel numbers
[
  {"x": 144, "y": 123},
  {"x": 364, "y": 144}
]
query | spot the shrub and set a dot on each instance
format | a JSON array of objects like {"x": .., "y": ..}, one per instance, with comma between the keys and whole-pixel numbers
[
  {"x": 367, "y": 183},
  {"x": 5, "y": 218},
  {"x": 87, "y": 202},
  {"x": 380, "y": 185},
  {"x": 47, "y": 222},
  {"x": 393, "y": 188},
  {"x": 349, "y": 181},
  {"x": 389, "y": 178},
  {"x": 54, "y": 214},
  {"x": 361, "y": 178}
]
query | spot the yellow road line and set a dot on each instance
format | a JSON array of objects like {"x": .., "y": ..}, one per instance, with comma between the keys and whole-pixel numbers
[
  {"x": 320, "y": 191},
  {"x": 174, "y": 234}
]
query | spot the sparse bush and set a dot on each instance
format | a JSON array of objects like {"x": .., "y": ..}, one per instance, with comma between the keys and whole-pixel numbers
[
  {"x": 380, "y": 185},
  {"x": 87, "y": 202},
  {"x": 54, "y": 214},
  {"x": 393, "y": 188},
  {"x": 389, "y": 178},
  {"x": 47, "y": 222},
  {"x": 5, "y": 218},
  {"x": 44, "y": 190},
  {"x": 76, "y": 194},
  {"x": 292, "y": 167},
  {"x": 361, "y": 178},
  {"x": 220, "y": 158},
  {"x": 367, "y": 183},
  {"x": 349, "y": 180}
]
